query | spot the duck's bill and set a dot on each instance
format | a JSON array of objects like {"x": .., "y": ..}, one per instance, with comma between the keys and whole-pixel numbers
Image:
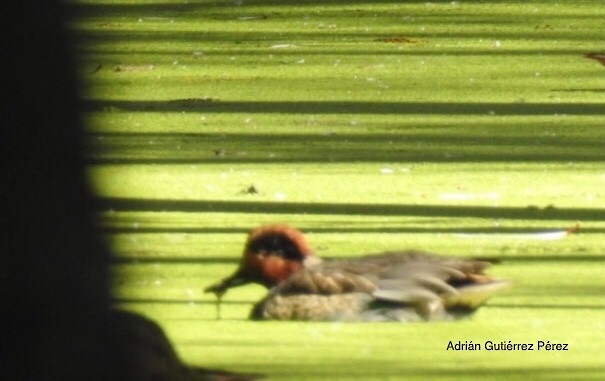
[{"x": 220, "y": 288}]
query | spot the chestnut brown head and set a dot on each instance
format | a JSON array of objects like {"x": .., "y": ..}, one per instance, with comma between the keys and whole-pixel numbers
[{"x": 272, "y": 253}]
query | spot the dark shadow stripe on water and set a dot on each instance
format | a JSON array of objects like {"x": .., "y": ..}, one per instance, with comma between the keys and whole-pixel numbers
[
  {"x": 201, "y": 206},
  {"x": 472, "y": 232},
  {"x": 348, "y": 107}
]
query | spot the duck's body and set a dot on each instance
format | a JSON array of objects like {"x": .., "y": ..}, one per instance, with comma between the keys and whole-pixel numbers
[
  {"x": 391, "y": 286},
  {"x": 395, "y": 286}
]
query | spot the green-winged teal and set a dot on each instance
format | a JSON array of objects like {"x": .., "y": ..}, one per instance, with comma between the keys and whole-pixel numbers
[{"x": 390, "y": 286}]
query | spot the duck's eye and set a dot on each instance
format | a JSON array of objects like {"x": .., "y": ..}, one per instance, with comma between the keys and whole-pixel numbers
[{"x": 276, "y": 245}]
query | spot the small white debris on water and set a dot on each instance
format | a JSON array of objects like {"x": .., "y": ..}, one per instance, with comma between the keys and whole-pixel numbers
[
  {"x": 280, "y": 196},
  {"x": 386, "y": 171},
  {"x": 497, "y": 44},
  {"x": 542, "y": 236},
  {"x": 282, "y": 46}
]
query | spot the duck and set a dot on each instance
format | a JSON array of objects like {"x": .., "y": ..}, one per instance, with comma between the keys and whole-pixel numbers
[{"x": 403, "y": 286}]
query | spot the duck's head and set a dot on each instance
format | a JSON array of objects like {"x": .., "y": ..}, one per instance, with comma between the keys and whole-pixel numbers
[{"x": 272, "y": 253}]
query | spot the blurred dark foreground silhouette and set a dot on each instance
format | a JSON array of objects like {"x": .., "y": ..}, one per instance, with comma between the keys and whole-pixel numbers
[
  {"x": 54, "y": 270},
  {"x": 146, "y": 353},
  {"x": 54, "y": 291}
]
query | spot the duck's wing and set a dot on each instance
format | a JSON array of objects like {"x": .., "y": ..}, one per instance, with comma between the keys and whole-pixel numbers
[
  {"x": 436, "y": 286},
  {"x": 325, "y": 281}
]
